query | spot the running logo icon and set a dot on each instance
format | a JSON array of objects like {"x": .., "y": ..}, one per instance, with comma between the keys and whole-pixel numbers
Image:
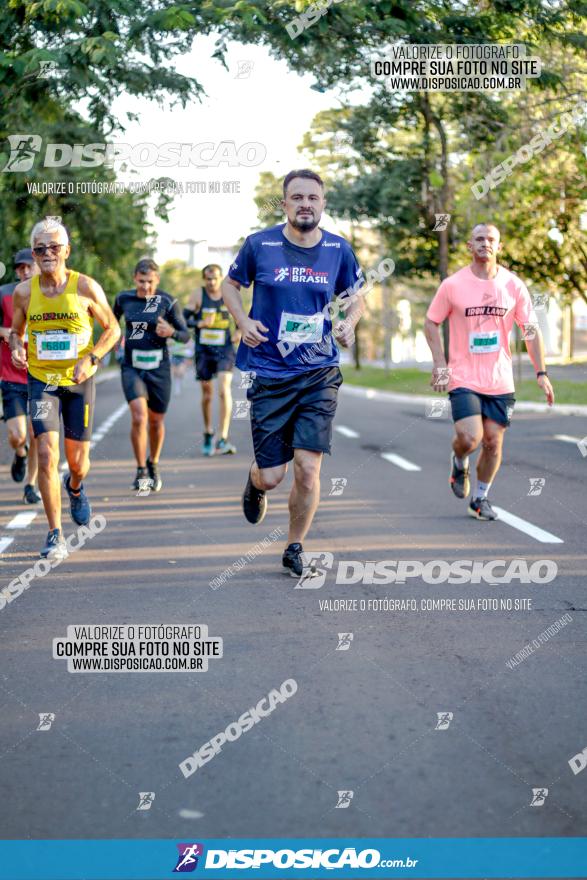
[
  {"x": 153, "y": 303},
  {"x": 436, "y": 409},
  {"x": 282, "y": 273},
  {"x": 313, "y": 577},
  {"x": 539, "y": 795},
  {"x": 46, "y": 719},
  {"x": 23, "y": 149},
  {"x": 146, "y": 799},
  {"x": 187, "y": 860},
  {"x": 247, "y": 379},
  {"x": 536, "y": 485},
  {"x": 42, "y": 409},
  {"x": 344, "y": 800},
  {"x": 444, "y": 719},
  {"x": 53, "y": 380},
  {"x": 241, "y": 409},
  {"x": 344, "y": 641},
  {"x": 441, "y": 222},
  {"x": 338, "y": 485},
  {"x": 138, "y": 329}
]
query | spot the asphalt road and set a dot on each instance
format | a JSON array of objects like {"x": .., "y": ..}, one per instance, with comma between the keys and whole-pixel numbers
[{"x": 363, "y": 718}]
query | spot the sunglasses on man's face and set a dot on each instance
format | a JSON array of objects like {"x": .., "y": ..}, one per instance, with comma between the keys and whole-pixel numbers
[{"x": 41, "y": 249}]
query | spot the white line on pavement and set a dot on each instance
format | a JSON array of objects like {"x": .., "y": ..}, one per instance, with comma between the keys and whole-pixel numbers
[
  {"x": 400, "y": 462},
  {"x": 528, "y": 528},
  {"x": 346, "y": 432},
  {"x": 22, "y": 520},
  {"x": 4, "y": 543},
  {"x": 566, "y": 438}
]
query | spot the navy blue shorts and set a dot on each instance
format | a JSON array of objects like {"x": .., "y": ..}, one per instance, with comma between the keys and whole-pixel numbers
[
  {"x": 497, "y": 407},
  {"x": 72, "y": 403},
  {"x": 293, "y": 413},
  {"x": 210, "y": 361},
  {"x": 15, "y": 398}
]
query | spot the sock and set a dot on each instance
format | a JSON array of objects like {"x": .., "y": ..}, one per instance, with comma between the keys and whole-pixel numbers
[
  {"x": 462, "y": 463},
  {"x": 482, "y": 489}
]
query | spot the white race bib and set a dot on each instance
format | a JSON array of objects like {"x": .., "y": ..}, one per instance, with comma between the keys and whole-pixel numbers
[
  {"x": 146, "y": 360},
  {"x": 55, "y": 345},
  {"x": 301, "y": 328},
  {"x": 484, "y": 343},
  {"x": 212, "y": 337}
]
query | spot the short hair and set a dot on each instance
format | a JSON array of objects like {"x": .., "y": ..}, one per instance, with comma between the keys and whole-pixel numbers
[
  {"x": 211, "y": 266},
  {"x": 146, "y": 265},
  {"x": 485, "y": 223},
  {"x": 304, "y": 173},
  {"x": 49, "y": 224}
]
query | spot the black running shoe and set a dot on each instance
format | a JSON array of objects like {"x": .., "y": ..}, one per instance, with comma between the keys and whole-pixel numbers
[
  {"x": 55, "y": 547},
  {"x": 156, "y": 481},
  {"x": 79, "y": 504},
  {"x": 254, "y": 503},
  {"x": 31, "y": 495},
  {"x": 142, "y": 481},
  {"x": 292, "y": 560},
  {"x": 459, "y": 479},
  {"x": 480, "y": 508},
  {"x": 18, "y": 467}
]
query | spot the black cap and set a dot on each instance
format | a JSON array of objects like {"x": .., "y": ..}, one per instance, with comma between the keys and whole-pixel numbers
[{"x": 23, "y": 256}]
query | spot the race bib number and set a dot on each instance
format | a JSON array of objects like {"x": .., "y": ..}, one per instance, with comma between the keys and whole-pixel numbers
[
  {"x": 208, "y": 336},
  {"x": 147, "y": 360},
  {"x": 54, "y": 345},
  {"x": 484, "y": 343},
  {"x": 301, "y": 328}
]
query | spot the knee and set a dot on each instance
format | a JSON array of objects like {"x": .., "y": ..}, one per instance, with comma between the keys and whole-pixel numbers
[
  {"x": 492, "y": 444},
  {"x": 307, "y": 477},
  {"x": 468, "y": 440},
  {"x": 138, "y": 418},
  {"x": 270, "y": 480},
  {"x": 48, "y": 457},
  {"x": 16, "y": 437}
]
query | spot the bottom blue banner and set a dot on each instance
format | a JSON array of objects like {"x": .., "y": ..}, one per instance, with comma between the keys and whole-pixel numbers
[{"x": 272, "y": 858}]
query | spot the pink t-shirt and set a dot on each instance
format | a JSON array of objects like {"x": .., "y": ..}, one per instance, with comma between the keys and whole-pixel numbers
[{"x": 480, "y": 316}]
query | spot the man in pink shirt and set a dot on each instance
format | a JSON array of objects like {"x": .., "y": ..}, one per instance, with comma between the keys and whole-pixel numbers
[{"x": 481, "y": 303}]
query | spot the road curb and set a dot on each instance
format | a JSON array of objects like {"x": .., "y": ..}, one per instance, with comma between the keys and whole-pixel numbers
[{"x": 562, "y": 409}]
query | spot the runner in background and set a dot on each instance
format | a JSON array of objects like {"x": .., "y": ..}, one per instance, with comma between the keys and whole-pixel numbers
[
  {"x": 481, "y": 303},
  {"x": 151, "y": 317},
  {"x": 215, "y": 356},
  {"x": 15, "y": 388},
  {"x": 58, "y": 308}
]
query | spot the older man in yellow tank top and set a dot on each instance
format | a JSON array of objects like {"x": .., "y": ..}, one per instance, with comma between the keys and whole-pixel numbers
[{"x": 58, "y": 308}]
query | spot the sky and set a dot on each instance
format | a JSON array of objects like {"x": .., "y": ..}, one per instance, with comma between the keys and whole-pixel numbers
[{"x": 258, "y": 100}]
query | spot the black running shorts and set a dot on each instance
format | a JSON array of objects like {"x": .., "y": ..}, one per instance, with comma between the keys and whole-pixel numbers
[
  {"x": 497, "y": 407},
  {"x": 15, "y": 397},
  {"x": 154, "y": 385},
  {"x": 210, "y": 362},
  {"x": 293, "y": 413},
  {"x": 72, "y": 403}
]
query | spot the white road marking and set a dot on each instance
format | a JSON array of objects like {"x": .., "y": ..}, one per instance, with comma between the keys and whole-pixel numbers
[
  {"x": 4, "y": 543},
  {"x": 566, "y": 438},
  {"x": 528, "y": 528},
  {"x": 400, "y": 462},
  {"x": 346, "y": 432},
  {"x": 22, "y": 520},
  {"x": 190, "y": 814}
]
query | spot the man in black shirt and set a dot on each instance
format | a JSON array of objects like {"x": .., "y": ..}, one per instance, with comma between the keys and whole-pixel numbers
[{"x": 151, "y": 317}]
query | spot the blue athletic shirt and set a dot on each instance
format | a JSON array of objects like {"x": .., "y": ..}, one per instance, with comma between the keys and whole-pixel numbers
[{"x": 292, "y": 288}]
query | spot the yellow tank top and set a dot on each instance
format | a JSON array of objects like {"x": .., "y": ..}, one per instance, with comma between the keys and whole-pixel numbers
[{"x": 60, "y": 332}]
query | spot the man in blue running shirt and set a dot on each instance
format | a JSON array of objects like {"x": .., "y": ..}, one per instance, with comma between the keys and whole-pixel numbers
[{"x": 304, "y": 277}]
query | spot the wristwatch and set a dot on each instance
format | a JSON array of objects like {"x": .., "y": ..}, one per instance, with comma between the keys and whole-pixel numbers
[
  {"x": 541, "y": 373},
  {"x": 94, "y": 359}
]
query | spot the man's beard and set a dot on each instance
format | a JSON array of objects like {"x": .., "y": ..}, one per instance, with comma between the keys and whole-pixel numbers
[{"x": 305, "y": 224}]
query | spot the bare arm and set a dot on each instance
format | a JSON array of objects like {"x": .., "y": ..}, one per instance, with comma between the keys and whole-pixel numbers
[
  {"x": 251, "y": 330},
  {"x": 99, "y": 308},
  {"x": 345, "y": 331},
  {"x": 535, "y": 348},
  {"x": 439, "y": 379},
  {"x": 20, "y": 304}
]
